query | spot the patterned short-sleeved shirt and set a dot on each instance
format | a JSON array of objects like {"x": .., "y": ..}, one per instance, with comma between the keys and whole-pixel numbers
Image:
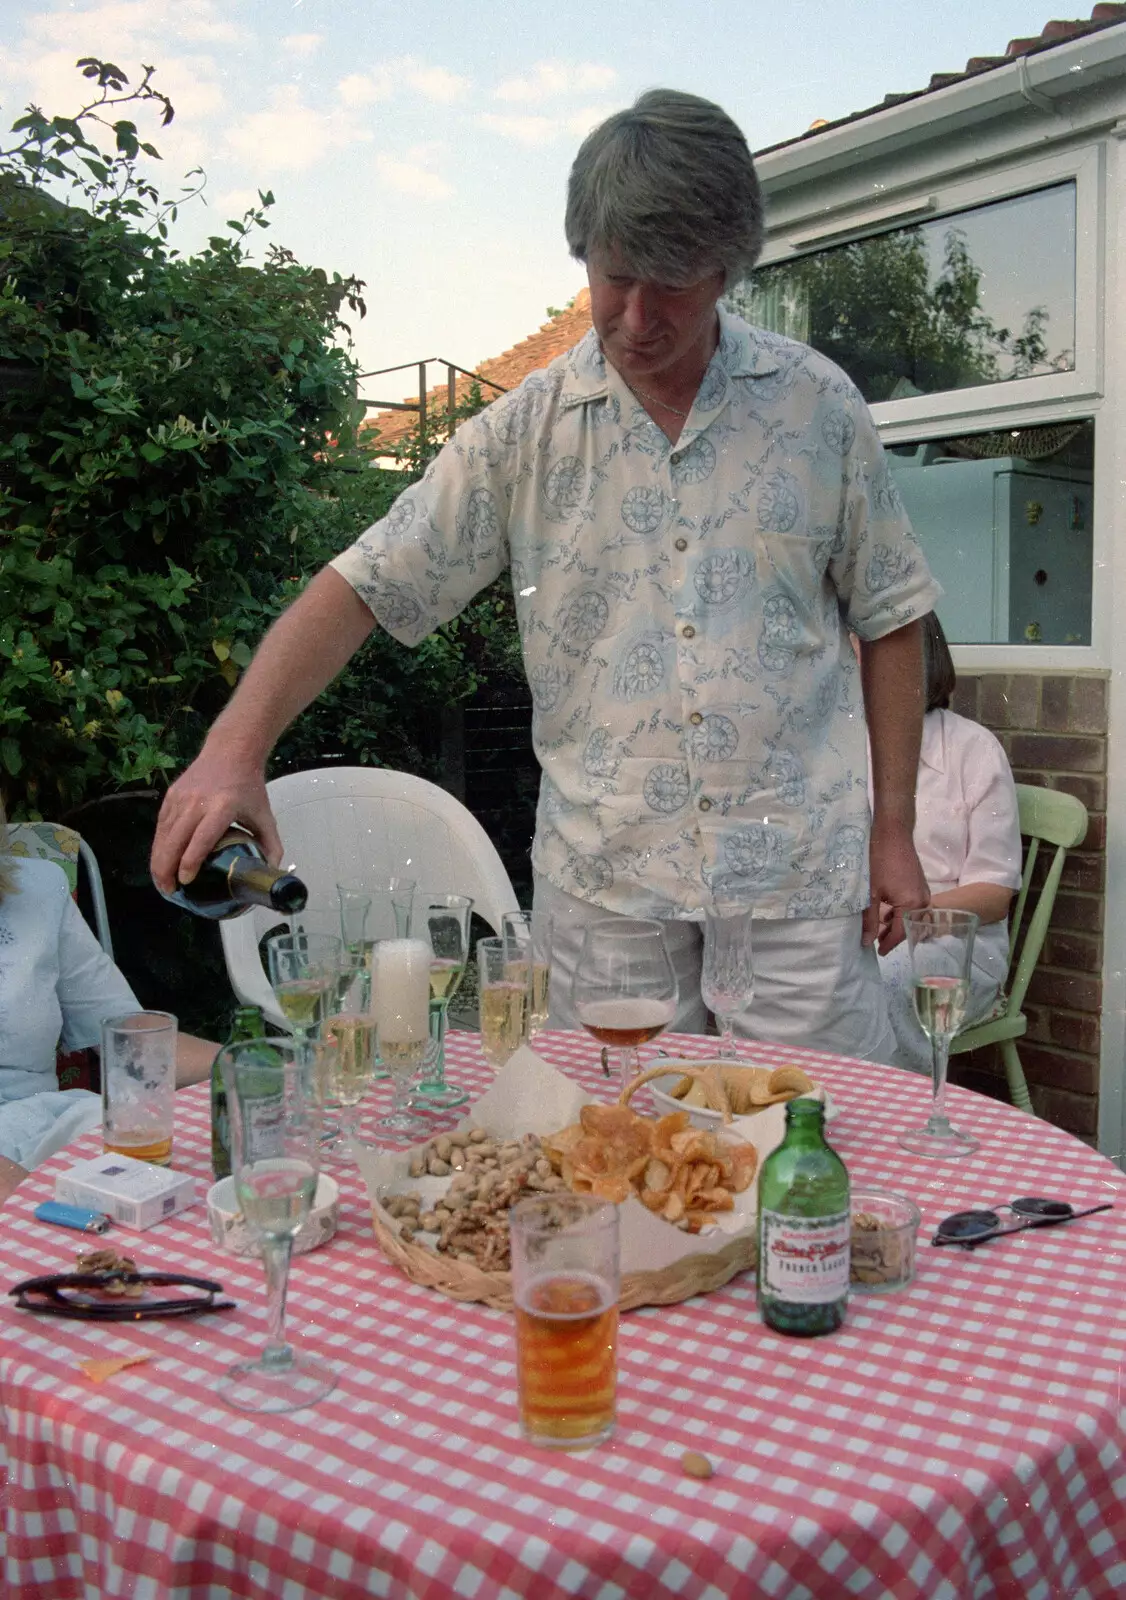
[{"x": 684, "y": 613}]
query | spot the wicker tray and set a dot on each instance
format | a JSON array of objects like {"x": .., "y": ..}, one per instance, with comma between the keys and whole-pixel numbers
[{"x": 461, "y": 1280}]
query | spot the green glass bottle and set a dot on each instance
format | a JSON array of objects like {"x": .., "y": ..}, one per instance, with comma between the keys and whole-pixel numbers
[
  {"x": 804, "y": 1227},
  {"x": 247, "y": 1024}
]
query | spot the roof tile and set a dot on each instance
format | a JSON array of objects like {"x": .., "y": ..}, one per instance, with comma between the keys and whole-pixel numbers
[{"x": 509, "y": 369}]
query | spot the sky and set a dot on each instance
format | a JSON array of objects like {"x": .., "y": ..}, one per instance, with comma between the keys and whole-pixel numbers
[{"x": 424, "y": 146}]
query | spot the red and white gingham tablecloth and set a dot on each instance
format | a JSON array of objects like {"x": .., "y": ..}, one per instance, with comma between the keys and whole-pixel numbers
[{"x": 961, "y": 1439}]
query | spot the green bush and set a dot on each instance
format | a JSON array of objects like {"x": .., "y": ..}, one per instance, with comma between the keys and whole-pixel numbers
[{"x": 178, "y": 455}]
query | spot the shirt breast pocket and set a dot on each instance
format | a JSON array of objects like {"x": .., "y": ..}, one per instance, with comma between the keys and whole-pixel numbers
[{"x": 800, "y": 616}]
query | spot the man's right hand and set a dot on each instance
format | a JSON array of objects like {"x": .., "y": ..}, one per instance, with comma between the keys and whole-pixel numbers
[{"x": 197, "y": 811}]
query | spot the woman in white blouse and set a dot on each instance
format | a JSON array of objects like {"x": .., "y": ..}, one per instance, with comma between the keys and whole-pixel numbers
[
  {"x": 56, "y": 986},
  {"x": 967, "y": 835}
]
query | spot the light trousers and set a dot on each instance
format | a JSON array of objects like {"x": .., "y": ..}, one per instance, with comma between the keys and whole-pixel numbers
[
  {"x": 912, "y": 1047},
  {"x": 816, "y": 986}
]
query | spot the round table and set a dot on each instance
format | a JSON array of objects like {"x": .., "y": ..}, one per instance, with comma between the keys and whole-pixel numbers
[{"x": 963, "y": 1437}]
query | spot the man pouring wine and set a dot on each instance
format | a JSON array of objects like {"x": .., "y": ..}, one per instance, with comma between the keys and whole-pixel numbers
[{"x": 694, "y": 512}]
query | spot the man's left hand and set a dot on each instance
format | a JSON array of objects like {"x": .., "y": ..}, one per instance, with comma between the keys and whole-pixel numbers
[{"x": 897, "y": 883}]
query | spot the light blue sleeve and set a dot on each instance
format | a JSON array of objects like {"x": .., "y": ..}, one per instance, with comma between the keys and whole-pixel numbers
[{"x": 90, "y": 986}]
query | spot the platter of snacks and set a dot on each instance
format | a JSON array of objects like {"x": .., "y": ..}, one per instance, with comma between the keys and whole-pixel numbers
[
  {"x": 714, "y": 1093},
  {"x": 440, "y": 1210}
]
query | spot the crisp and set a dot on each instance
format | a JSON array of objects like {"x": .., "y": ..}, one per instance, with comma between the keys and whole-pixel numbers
[
  {"x": 732, "y": 1091},
  {"x": 679, "y": 1172}
]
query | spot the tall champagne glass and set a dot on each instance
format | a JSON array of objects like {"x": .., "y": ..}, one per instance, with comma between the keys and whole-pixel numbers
[
  {"x": 727, "y": 976},
  {"x": 504, "y": 989},
  {"x": 941, "y": 943},
  {"x": 355, "y": 909},
  {"x": 275, "y": 1158},
  {"x": 348, "y": 1068},
  {"x": 305, "y": 971},
  {"x": 444, "y": 920},
  {"x": 625, "y": 987},
  {"x": 528, "y": 936}
]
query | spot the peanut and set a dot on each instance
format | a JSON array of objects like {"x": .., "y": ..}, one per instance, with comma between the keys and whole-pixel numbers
[{"x": 695, "y": 1465}]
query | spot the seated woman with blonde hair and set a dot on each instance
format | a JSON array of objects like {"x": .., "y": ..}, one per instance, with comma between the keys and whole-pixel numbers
[
  {"x": 57, "y": 985},
  {"x": 967, "y": 835}
]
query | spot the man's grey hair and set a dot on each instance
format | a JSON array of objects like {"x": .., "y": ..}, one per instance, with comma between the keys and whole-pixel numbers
[{"x": 671, "y": 185}]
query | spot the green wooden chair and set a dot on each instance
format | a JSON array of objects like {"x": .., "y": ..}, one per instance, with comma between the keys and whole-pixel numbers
[{"x": 1050, "y": 818}]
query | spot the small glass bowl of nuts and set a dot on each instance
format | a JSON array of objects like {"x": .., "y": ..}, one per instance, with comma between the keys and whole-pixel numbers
[{"x": 884, "y": 1226}]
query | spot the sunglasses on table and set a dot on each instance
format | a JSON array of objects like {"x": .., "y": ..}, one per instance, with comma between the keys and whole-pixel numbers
[
  {"x": 118, "y": 1296},
  {"x": 971, "y": 1228}
]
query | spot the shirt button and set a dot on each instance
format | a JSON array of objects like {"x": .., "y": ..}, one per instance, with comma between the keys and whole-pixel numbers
[
  {"x": 696, "y": 718},
  {"x": 688, "y": 631},
  {"x": 682, "y": 544},
  {"x": 705, "y": 804}
]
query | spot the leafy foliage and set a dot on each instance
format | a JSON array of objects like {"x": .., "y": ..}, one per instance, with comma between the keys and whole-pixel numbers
[{"x": 178, "y": 454}]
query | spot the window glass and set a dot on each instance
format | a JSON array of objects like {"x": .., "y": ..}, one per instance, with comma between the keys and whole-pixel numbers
[
  {"x": 1005, "y": 519},
  {"x": 981, "y": 296}
]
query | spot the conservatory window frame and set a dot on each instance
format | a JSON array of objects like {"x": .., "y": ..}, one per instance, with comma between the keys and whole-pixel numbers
[{"x": 1016, "y": 402}]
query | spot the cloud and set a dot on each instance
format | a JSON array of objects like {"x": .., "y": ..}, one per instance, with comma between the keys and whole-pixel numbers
[
  {"x": 411, "y": 173},
  {"x": 301, "y": 45},
  {"x": 406, "y": 73},
  {"x": 581, "y": 122},
  {"x": 290, "y": 136},
  {"x": 529, "y": 130},
  {"x": 435, "y": 83},
  {"x": 549, "y": 80},
  {"x": 176, "y": 35},
  {"x": 363, "y": 89}
]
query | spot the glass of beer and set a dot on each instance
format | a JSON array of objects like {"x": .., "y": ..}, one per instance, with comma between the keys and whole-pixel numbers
[
  {"x": 504, "y": 991},
  {"x": 139, "y": 1085},
  {"x": 565, "y": 1288}
]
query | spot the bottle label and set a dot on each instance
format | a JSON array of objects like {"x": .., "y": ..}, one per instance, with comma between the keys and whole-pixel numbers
[{"x": 805, "y": 1259}]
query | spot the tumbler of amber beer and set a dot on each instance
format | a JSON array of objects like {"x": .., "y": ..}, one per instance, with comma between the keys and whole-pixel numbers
[{"x": 565, "y": 1287}]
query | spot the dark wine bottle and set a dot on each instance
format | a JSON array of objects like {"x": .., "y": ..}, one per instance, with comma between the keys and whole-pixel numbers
[
  {"x": 247, "y": 1025},
  {"x": 804, "y": 1228},
  {"x": 236, "y": 876}
]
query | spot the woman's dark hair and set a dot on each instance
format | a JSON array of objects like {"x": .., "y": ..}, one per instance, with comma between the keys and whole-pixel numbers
[{"x": 938, "y": 666}]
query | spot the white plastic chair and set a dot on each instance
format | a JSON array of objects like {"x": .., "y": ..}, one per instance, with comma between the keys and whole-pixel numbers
[{"x": 361, "y": 825}]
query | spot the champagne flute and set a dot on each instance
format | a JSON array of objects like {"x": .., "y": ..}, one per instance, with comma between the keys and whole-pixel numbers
[
  {"x": 401, "y": 1007},
  {"x": 727, "y": 976},
  {"x": 305, "y": 974},
  {"x": 275, "y": 1158},
  {"x": 625, "y": 986},
  {"x": 504, "y": 984},
  {"x": 445, "y": 923},
  {"x": 305, "y": 969},
  {"x": 528, "y": 934},
  {"x": 348, "y": 1069},
  {"x": 355, "y": 909},
  {"x": 941, "y": 943}
]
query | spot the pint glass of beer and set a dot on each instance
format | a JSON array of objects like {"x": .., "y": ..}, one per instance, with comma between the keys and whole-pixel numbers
[
  {"x": 565, "y": 1286},
  {"x": 139, "y": 1085}
]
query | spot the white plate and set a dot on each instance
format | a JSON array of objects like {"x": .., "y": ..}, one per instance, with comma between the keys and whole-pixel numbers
[{"x": 703, "y": 1116}]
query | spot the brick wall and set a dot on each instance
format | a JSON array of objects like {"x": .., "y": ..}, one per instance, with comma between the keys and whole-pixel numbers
[{"x": 1053, "y": 728}]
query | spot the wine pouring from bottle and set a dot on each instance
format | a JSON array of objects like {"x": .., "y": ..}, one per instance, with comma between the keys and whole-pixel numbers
[{"x": 237, "y": 876}]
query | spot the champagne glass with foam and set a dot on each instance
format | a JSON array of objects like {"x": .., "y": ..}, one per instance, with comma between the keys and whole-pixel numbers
[
  {"x": 625, "y": 986},
  {"x": 941, "y": 943}
]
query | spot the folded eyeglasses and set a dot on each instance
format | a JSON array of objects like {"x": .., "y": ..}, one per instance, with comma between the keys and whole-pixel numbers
[
  {"x": 971, "y": 1228},
  {"x": 118, "y": 1296}
]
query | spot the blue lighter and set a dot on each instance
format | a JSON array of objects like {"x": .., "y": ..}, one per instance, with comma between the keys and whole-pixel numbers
[{"x": 72, "y": 1217}]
